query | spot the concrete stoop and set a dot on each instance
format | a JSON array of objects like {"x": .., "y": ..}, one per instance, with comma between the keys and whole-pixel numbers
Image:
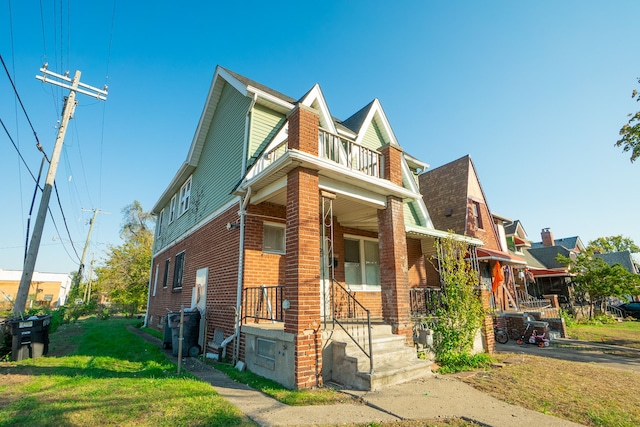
[{"x": 394, "y": 362}]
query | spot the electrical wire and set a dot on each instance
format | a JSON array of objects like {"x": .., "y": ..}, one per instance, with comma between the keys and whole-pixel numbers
[
  {"x": 15, "y": 90},
  {"x": 64, "y": 219},
  {"x": 18, "y": 150}
]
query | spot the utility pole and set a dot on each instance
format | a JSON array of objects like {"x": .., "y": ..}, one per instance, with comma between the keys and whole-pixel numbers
[
  {"x": 86, "y": 245},
  {"x": 87, "y": 289},
  {"x": 67, "y": 113}
]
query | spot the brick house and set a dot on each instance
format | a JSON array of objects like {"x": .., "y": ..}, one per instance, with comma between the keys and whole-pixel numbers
[
  {"x": 299, "y": 236},
  {"x": 454, "y": 197}
]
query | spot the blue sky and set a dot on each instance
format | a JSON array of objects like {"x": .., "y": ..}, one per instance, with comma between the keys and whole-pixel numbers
[{"x": 535, "y": 92}]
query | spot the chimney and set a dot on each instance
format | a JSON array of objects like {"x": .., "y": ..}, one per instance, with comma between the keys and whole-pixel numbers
[{"x": 547, "y": 237}]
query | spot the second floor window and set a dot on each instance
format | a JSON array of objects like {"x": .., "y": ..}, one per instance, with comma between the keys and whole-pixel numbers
[
  {"x": 172, "y": 209},
  {"x": 477, "y": 219},
  {"x": 160, "y": 221},
  {"x": 185, "y": 196}
]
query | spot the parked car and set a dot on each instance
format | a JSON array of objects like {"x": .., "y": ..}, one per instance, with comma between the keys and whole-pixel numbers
[{"x": 631, "y": 309}]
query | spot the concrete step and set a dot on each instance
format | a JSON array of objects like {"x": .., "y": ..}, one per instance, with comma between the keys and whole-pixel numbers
[{"x": 394, "y": 361}]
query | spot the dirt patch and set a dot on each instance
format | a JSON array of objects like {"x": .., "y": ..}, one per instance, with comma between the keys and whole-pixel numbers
[{"x": 64, "y": 341}]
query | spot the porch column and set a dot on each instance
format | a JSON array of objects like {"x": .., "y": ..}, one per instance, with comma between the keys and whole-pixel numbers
[
  {"x": 302, "y": 277},
  {"x": 392, "y": 241}
]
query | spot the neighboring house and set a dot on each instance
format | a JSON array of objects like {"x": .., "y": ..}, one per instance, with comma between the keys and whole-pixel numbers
[
  {"x": 283, "y": 223},
  {"x": 454, "y": 197},
  {"x": 47, "y": 289},
  {"x": 552, "y": 277},
  {"x": 623, "y": 258}
]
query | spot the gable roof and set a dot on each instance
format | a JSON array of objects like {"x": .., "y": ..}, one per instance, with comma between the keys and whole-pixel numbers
[
  {"x": 546, "y": 255},
  {"x": 567, "y": 242},
  {"x": 623, "y": 258}
]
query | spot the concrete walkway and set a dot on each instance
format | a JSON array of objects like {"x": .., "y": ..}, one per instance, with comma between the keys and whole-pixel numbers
[{"x": 431, "y": 397}]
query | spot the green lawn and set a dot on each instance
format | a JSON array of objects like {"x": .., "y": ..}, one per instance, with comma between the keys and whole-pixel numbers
[
  {"x": 625, "y": 333},
  {"x": 112, "y": 378}
]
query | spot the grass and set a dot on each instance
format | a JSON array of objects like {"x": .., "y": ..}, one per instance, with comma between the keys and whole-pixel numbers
[
  {"x": 98, "y": 373},
  {"x": 109, "y": 377},
  {"x": 584, "y": 393},
  {"x": 625, "y": 333},
  {"x": 317, "y": 396}
]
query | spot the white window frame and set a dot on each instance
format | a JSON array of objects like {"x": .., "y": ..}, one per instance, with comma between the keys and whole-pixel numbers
[
  {"x": 363, "y": 273},
  {"x": 185, "y": 197},
  {"x": 178, "y": 270},
  {"x": 274, "y": 225},
  {"x": 155, "y": 281},
  {"x": 172, "y": 209},
  {"x": 160, "y": 221}
]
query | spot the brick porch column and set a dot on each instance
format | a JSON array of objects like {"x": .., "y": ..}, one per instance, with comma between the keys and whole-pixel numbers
[
  {"x": 487, "y": 324},
  {"x": 302, "y": 277},
  {"x": 392, "y": 241}
]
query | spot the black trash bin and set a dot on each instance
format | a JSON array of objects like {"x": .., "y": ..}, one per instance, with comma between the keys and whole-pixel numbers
[
  {"x": 190, "y": 332},
  {"x": 167, "y": 340},
  {"x": 30, "y": 337}
]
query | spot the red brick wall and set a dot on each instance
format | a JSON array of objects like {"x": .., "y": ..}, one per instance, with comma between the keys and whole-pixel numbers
[
  {"x": 392, "y": 157},
  {"x": 416, "y": 262},
  {"x": 394, "y": 268},
  {"x": 302, "y": 276},
  {"x": 487, "y": 324},
  {"x": 212, "y": 246},
  {"x": 262, "y": 268},
  {"x": 487, "y": 233},
  {"x": 303, "y": 130}
]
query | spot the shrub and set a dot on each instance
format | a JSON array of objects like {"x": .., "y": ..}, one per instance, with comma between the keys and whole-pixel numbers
[{"x": 452, "y": 363}]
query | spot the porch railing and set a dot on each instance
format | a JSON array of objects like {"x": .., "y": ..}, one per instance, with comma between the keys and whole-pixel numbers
[
  {"x": 349, "y": 154},
  {"x": 532, "y": 303},
  {"x": 263, "y": 303},
  {"x": 269, "y": 157},
  {"x": 614, "y": 311},
  {"x": 353, "y": 318},
  {"x": 425, "y": 301}
]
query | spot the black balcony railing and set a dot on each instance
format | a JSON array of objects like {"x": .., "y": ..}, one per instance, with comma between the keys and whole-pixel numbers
[{"x": 263, "y": 303}]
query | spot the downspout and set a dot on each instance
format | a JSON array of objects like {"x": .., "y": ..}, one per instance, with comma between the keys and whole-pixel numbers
[
  {"x": 242, "y": 214},
  {"x": 146, "y": 314}
]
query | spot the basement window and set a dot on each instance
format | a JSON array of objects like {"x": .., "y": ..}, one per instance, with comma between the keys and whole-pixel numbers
[{"x": 266, "y": 348}]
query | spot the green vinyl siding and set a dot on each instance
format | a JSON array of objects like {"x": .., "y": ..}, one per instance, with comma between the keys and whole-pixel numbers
[
  {"x": 219, "y": 168},
  {"x": 373, "y": 138},
  {"x": 412, "y": 214},
  {"x": 265, "y": 124}
]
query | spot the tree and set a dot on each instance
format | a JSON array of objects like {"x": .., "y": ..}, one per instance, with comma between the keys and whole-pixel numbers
[
  {"x": 124, "y": 277},
  {"x": 608, "y": 244},
  {"x": 630, "y": 132},
  {"x": 460, "y": 314},
  {"x": 598, "y": 280}
]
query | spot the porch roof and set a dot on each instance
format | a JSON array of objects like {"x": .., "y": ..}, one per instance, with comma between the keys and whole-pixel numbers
[
  {"x": 422, "y": 232},
  {"x": 489, "y": 254}
]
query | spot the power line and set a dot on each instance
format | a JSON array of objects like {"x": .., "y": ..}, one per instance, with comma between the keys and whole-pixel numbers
[
  {"x": 15, "y": 90},
  {"x": 18, "y": 150}
]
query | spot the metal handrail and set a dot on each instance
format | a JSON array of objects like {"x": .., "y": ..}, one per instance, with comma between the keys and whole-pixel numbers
[
  {"x": 263, "y": 303},
  {"x": 425, "y": 301},
  {"x": 353, "y": 318},
  {"x": 614, "y": 311}
]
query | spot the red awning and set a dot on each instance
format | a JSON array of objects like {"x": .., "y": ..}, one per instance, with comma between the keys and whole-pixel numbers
[{"x": 490, "y": 254}]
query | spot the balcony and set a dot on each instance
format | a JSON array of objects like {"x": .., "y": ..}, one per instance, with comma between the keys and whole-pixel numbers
[
  {"x": 332, "y": 147},
  {"x": 349, "y": 154}
]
